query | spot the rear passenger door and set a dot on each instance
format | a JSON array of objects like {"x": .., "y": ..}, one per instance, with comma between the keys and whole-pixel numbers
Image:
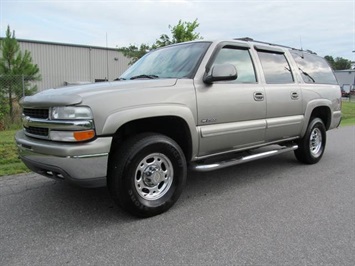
[{"x": 284, "y": 116}]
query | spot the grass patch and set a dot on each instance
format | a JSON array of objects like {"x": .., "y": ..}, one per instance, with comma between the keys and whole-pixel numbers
[
  {"x": 10, "y": 164},
  {"x": 348, "y": 113}
]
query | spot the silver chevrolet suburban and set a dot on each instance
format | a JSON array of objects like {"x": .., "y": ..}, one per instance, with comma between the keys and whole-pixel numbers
[{"x": 203, "y": 104}]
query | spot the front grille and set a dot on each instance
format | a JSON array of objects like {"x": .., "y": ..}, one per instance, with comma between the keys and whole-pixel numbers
[
  {"x": 36, "y": 113},
  {"x": 38, "y": 131}
]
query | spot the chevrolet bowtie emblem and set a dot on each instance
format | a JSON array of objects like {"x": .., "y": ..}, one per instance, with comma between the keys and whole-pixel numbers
[{"x": 26, "y": 120}]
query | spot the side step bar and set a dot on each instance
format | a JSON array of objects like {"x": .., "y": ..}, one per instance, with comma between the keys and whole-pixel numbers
[{"x": 200, "y": 167}]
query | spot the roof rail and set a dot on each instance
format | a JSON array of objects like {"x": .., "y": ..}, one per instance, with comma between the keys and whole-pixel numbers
[{"x": 248, "y": 39}]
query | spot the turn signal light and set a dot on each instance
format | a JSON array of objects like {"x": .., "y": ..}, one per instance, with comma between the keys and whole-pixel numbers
[{"x": 84, "y": 135}]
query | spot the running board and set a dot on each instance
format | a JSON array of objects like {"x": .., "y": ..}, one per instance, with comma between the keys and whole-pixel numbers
[{"x": 200, "y": 167}]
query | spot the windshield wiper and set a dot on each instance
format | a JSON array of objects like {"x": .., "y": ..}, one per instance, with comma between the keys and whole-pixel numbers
[
  {"x": 307, "y": 75},
  {"x": 144, "y": 76}
]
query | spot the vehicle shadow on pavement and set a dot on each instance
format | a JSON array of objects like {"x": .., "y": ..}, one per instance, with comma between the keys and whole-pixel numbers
[
  {"x": 51, "y": 201},
  {"x": 200, "y": 185},
  {"x": 85, "y": 203}
]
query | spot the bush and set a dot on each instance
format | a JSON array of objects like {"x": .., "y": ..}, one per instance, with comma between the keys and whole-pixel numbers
[
  {"x": 6, "y": 122},
  {"x": 4, "y": 111}
]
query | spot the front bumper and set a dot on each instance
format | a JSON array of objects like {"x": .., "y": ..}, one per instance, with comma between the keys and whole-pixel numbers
[{"x": 84, "y": 164}]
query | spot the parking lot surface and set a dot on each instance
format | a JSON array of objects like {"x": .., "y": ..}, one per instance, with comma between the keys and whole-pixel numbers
[{"x": 274, "y": 211}]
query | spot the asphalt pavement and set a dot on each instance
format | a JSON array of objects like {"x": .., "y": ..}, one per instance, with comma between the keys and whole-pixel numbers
[{"x": 274, "y": 211}]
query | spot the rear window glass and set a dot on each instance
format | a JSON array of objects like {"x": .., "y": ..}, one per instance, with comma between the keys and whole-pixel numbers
[
  {"x": 276, "y": 68},
  {"x": 314, "y": 69}
]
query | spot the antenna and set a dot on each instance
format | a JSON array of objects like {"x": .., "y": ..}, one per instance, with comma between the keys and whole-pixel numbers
[
  {"x": 107, "y": 69},
  {"x": 301, "y": 47}
]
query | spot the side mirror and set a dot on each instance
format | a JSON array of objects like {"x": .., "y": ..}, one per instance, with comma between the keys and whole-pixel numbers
[{"x": 221, "y": 73}]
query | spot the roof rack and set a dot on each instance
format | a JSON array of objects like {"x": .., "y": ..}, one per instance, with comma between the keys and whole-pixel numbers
[{"x": 248, "y": 39}]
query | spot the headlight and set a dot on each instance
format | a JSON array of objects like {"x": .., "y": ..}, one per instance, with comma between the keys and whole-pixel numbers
[
  {"x": 71, "y": 113},
  {"x": 71, "y": 130}
]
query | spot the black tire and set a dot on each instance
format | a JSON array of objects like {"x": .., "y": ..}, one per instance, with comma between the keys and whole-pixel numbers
[
  {"x": 147, "y": 174},
  {"x": 311, "y": 147}
]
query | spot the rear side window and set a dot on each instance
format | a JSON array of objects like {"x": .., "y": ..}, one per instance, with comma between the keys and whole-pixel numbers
[
  {"x": 314, "y": 69},
  {"x": 276, "y": 68},
  {"x": 241, "y": 59}
]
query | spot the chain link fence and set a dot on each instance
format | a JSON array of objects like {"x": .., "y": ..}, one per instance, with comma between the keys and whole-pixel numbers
[
  {"x": 16, "y": 85},
  {"x": 12, "y": 89}
]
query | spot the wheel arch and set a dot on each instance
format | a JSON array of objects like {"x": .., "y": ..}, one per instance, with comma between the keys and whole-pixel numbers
[
  {"x": 321, "y": 109},
  {"x": 324, "y": 113},
  {"x": 172, "y": 126}
]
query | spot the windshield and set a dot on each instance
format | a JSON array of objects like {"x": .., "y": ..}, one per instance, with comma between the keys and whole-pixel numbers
[{"x": 178, "y": 61}]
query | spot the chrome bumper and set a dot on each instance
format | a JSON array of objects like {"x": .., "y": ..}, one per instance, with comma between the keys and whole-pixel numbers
[{"x": 84, "y": 164}]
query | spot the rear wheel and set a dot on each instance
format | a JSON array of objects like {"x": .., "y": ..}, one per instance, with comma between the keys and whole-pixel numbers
[
  {"x": 311, "y": 147},
  {"x": 147, "y": 174}
]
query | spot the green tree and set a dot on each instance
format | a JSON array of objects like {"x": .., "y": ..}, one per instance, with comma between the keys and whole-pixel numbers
[
  {"x": 339, "y": 63},
  {"x": 182, "y": 32},
  {"x": 16, "y": 71},
  {"x": 133, "y": 52}
]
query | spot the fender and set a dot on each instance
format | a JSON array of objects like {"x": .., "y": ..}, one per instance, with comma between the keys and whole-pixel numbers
[
  {"x": 311, "y": 105},
  {"x": 123, "y": 116}
]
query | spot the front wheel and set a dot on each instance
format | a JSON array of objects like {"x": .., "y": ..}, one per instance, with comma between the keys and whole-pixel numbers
[
  {"x": 311, "y": 147},
  {"x": 147, "y": 174}
]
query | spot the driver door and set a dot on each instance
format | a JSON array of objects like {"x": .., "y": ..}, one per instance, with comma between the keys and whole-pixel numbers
[{"x": 231, "y": 114}]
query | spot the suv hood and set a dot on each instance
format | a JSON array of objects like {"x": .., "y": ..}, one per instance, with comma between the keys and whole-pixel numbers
[{"x": 75, "y": 94}]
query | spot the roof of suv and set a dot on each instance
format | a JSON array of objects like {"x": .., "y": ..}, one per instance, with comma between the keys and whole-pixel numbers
[{"x": 248, "y": 39}]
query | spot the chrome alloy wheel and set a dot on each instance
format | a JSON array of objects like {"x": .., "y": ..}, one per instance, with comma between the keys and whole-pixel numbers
[
  {"x": 154, "y": 176},
  {"x": 315, "y": 142}
]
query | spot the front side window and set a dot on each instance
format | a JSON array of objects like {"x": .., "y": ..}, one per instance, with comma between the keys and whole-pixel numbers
[
  {"x": 314, "y": 69},
  {"x": 276, "y": 68},
  {"x": 241, "y": 59}
]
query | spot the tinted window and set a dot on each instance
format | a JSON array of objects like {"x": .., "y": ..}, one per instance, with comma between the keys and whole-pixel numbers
[
  {"x": 314, "y": 69},
  {"x": 276, "y": 68},
  {"x": 241, "y": 59}
]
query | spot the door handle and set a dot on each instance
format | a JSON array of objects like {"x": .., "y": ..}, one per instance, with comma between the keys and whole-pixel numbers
[
  {"x": 258, "y": 96},
  {"x": 294, "y": 96}
]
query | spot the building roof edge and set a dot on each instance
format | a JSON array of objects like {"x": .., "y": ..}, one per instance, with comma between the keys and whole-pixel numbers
[{"x": 64, "y": 44}]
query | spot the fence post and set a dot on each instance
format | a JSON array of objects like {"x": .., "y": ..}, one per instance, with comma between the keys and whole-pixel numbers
[{"x": 23, "y": 86}]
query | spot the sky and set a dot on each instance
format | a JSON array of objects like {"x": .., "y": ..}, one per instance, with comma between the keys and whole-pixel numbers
[{"x": 325, "y": 27}]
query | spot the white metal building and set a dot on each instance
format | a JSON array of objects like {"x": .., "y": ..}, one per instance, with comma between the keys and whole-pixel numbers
[
  {"x": 67, "y": 64},
  {"x": 346, "y": 79}
]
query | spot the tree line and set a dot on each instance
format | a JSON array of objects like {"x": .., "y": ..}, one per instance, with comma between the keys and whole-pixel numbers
[
  {"x": 182, "y": 32},
  {"x": 338, "y": 63}
]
